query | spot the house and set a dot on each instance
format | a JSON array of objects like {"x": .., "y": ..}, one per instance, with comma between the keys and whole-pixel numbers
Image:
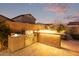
[
  {"x": 73, "y": 27},
  {"x": 25, "y": 18},
  {"x": 3, "y": 18}
]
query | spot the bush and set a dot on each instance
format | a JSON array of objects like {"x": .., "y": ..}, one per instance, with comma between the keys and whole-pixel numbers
[
  {"x": 4, "y": 32},
  {"x": 61, "y": 27},
  {"x": 75, "y": 36}
]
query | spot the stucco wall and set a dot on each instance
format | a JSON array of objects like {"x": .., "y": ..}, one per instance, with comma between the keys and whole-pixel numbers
[
  {"x": 15, "y": 43},
  {"x": 49, "y": 39},
  {"x": 18, "y": 26},
  {"x": 30, "y": 38},
  {"x": 0, "y": 45}
]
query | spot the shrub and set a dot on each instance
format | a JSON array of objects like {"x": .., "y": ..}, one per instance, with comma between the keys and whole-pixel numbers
[
  {"x": 4, "y": 32},
  {"x": 75, "y": 36}
]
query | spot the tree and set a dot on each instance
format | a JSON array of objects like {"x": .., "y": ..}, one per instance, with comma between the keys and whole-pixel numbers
[
  {"x": 4, "y": 32},
  {"x": 50, "y": 27},
  {"x": 60, "y": 28}
]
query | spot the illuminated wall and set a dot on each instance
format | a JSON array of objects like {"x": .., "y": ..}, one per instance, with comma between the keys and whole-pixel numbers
[
  {"x": 18, "y": 26},
  {"x": 15, "y": 43},
  {"x": 49, "y": 39},
  {"x": 30, "y": 38},
  {"x": 0, "y": 45}
]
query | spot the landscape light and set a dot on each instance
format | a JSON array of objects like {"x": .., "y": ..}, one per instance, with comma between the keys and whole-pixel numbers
[
  {"x": 15, "y": 35},
  {"x": 48, "y": 31}
]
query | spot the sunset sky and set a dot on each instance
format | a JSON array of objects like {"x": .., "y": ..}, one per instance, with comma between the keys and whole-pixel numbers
[{"x": 44, "y": 13}]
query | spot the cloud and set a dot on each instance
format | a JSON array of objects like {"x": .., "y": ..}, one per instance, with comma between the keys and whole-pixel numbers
[
  {"x": 57, "y": 8},
  {"x": 73, "y": 16},
  {"x": 77, "y": 13}
]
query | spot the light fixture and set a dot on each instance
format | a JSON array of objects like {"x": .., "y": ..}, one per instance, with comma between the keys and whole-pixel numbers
[
  {"x": 48, "y": 31},
  {"x": 15, "y": 35}
]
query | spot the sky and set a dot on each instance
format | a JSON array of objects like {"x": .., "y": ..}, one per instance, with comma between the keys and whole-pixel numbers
[{"x": 43, "y": 12}]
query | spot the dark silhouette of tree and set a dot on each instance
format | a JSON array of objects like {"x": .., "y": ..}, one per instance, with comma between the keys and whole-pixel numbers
[
  {"x": 60, "y": 27},
  {"x": 4, "y": 32}
]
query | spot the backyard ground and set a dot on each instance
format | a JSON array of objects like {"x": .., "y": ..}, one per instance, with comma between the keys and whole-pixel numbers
[{"x": 68, "y": 48}]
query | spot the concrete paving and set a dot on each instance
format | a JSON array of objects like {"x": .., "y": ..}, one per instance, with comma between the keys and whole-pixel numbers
[
  {"x": 70, "y": 45},
  {"x": 39, "y": 49}
]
